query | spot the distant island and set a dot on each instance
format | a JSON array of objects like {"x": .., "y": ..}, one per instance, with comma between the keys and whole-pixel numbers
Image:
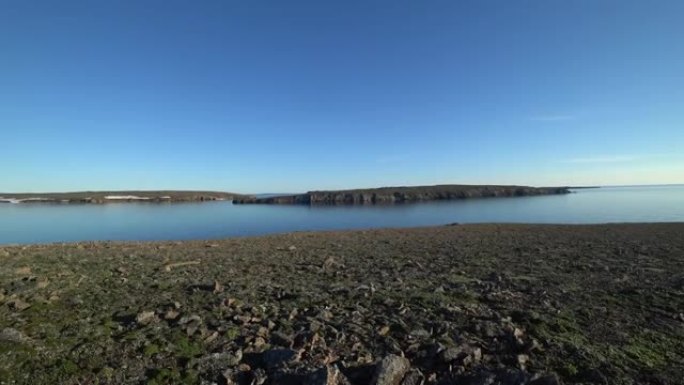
[
  {"x": 391, "y": 195},
  {"x": 381, "y": 195},
  {"x": 120, "y": 196}
]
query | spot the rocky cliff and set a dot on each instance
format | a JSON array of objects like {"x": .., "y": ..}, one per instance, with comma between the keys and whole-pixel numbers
[{"x": 391, "y": 195}]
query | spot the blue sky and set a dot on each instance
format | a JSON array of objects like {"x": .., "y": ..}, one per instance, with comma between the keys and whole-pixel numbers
[{"x": 271, "y": 96}]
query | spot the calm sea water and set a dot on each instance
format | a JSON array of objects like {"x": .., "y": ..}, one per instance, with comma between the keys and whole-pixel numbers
[{"x": 42, "y": 223}]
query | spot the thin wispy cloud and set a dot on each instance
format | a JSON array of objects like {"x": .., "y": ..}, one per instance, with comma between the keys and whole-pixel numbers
[
  {"x": 603, "y": 159},
  {"x": 618, "y": 158},
  {"x": 552, "y": 118}
]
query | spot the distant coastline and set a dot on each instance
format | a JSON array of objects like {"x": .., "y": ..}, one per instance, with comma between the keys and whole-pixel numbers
[
  {"x": 380, "y": 195},
  {"x": 393, "y": 195},
  {"x": 99, "y": 197}
]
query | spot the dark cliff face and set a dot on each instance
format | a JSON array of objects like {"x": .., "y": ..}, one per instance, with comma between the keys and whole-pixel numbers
[{"x": 390, "y": 195}]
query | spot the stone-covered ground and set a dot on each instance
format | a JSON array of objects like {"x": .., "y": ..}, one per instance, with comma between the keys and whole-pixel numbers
[{"x": 471, "y": 304}]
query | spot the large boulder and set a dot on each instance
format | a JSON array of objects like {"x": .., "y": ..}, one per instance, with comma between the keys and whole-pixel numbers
[{"x": 391, "y": 370}]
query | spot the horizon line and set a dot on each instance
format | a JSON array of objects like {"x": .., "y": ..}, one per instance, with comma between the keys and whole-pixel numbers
[{"x": 355, "y": 188}]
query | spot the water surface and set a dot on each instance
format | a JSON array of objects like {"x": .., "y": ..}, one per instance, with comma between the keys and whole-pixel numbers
[{"x": 42, "y": 223}]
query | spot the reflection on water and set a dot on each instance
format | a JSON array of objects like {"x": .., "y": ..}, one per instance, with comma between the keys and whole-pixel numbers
[{"x": 38, "y": 223}]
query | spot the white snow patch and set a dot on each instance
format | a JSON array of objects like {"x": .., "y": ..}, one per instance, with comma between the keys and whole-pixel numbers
[
  {"x": 125, "y": 197},
  {"x": 16, "y": 200}
]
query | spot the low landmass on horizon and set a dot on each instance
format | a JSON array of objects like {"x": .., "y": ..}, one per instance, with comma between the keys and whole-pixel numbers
[
  {"x": 380, "y": 195},
  {"x": 118, "y": 196},
  {"x": 390, "y": 195}
]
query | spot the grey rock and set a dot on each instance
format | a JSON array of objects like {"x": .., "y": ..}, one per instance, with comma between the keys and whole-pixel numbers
[
  {"x": 225, "y": 359},
  {"x": 420, "y": 333},
  {"x": 391, "y": 370},
  {"x": 464, "y": 353},
  {"x": 229, "y": 377},
  {"x": 217, "y": 287},
  {"x": 145, "y": 317},
  {"x": 451, "y": 354},
  {"x": 19, "y": 305},
  {"x": 13, "y": 335},
  {"x": 186, "y": 319},
  {"x": 315, "y": 326},
  {"x": 414, "y": 377},
  {"x": 192, "y": 327},
  {"x": 171, "y": 315}
]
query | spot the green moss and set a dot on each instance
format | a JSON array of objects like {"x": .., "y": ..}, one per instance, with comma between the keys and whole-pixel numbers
[
  {"x": 190, "y": 377},
  {"x": 172, "y": 376},
  {"x": 110, "y": 324},
  {"x": 570, "y": 370},
  {"x": 164, "y": 376},
  {"x": 645, "y": 350},
  {"x": 426, "y": 298},
  {"x": 232, "y": 333},
  {"x": 151, "y": 350},
  {"x": 651, "y": 349},
  {"x": 107, "y": 373},
  {"x": 67, "y": 367},
  {"x": 645, "y": 355},
  {"x": 186, "y": 348},
  {"x": 564, "y": 330},
  {"x": 460, "y": 279}
]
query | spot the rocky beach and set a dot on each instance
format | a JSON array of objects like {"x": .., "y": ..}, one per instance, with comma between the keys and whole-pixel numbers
[{"x": 459, "y": 304}]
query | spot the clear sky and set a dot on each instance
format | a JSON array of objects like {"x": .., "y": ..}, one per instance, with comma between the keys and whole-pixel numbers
[{"x": 287, "y": 96}]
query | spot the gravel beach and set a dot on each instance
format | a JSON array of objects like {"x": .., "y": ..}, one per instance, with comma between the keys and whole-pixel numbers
[{"x": 459, "y": 304}]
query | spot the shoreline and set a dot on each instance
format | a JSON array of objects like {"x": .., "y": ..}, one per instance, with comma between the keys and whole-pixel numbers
[
  {"x": 325, "y": 232},
  {"x": 462, "y": 303}
]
